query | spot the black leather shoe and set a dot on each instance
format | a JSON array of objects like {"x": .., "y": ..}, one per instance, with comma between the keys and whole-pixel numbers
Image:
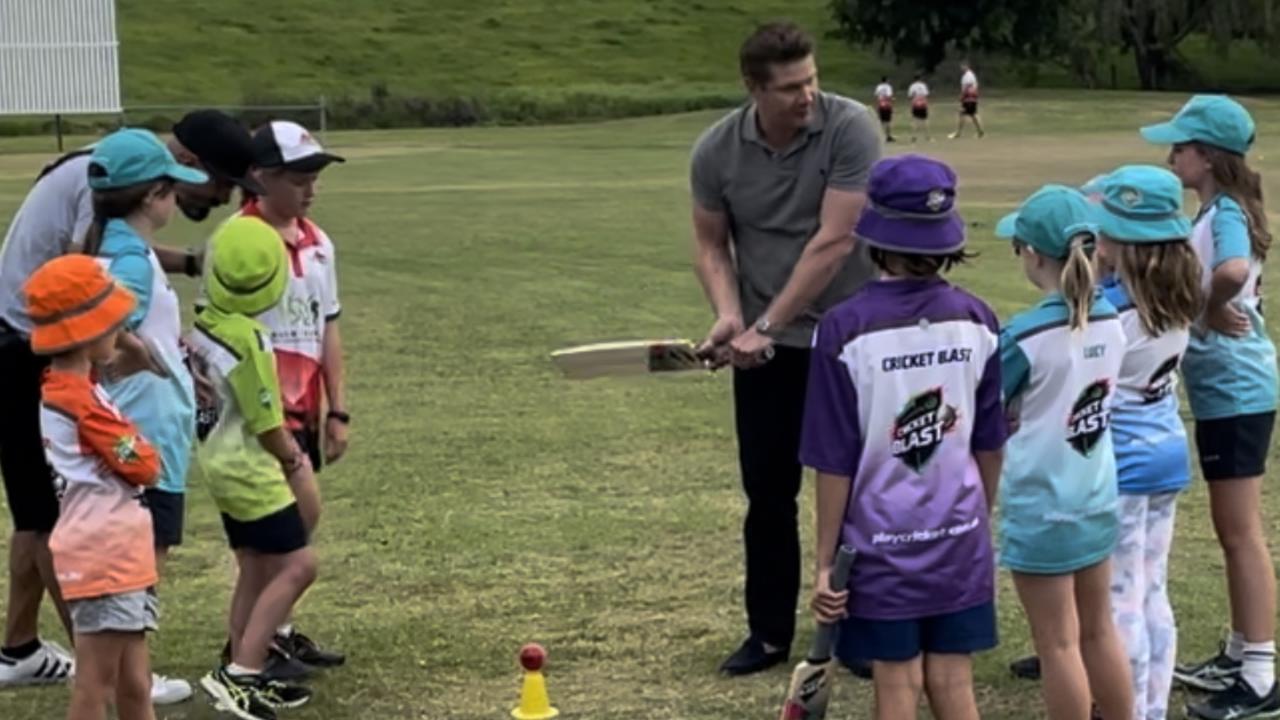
[
  {"x": 860, "y": 668},
  {"x": 752, "y": 658},
  {"x": 1027, "y": 668}
]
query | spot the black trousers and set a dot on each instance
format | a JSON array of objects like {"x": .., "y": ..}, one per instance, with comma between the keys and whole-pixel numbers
[{"x": 769, "y": 410}]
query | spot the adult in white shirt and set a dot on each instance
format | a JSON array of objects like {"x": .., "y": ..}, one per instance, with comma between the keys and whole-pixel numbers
[
  {"x": 884, "y": 104},
  {"x": 968, "y": 101},
  {"x": 918, "y": 93}
]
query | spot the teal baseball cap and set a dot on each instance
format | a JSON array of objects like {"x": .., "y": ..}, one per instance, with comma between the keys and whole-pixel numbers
[
  {"x": 1048, "y": 219},
  {"x": 132, "y": 156},
  {"x": 1141, "y": 204},
  {"x": 1215, "y": 120}
]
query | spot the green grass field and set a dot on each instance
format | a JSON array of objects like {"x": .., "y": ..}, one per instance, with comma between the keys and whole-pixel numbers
[{"x": 486, "y": 502}]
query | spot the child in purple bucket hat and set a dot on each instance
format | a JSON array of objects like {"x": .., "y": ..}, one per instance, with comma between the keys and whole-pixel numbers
[{"x": 904, "y": 426}]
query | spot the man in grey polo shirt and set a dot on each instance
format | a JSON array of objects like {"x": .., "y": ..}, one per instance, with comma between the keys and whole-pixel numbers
[
  {"x": 51, "y": 221},
  {"x": 777, "y": 187}
]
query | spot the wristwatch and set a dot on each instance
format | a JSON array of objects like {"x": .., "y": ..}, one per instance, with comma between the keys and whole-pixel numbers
[
  {"x": 192, "y": 264},
  {"x": 764, "y": 327},
  {"x": 344, "y": 418}
]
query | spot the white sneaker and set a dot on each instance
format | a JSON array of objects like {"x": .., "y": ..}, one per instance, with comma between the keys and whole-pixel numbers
[
  {"x": 168, "y": 691},
  {"x": 48, "y": 665}
]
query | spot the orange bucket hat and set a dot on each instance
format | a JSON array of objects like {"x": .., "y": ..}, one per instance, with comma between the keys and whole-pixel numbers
[{"x": 72, "y": 302}]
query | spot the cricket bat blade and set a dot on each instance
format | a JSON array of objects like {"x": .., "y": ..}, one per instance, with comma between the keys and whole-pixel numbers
[
  {"x": 635, "y": 357},
  {"x": 810, "y": 688}
]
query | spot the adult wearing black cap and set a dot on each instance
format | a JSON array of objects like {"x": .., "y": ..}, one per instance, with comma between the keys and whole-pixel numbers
[{"x": 51, "y": 221}]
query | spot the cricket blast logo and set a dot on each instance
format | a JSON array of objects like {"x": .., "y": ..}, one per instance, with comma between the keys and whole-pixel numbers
[
  {"x": 1089, "y": 417},
  {"x": 1160, "y": 385},
  {"x": 920, "y": 427}
]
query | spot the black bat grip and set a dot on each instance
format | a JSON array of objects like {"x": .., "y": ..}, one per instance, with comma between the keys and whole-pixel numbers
[{"x": 820, "y": 650}]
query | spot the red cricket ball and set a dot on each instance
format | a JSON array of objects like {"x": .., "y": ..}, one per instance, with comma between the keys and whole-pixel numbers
[{"x": 532, "y": 657}]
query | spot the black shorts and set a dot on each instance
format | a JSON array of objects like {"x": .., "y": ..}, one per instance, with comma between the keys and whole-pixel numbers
[
  {"x": 308, "y": 440},
  {"x": 886, "y": 114},
  {"x": 279, "y": 533},
  {"x": 969, "y": 107},
  {"x": 1234, "y": 447},
  {"x": 920, "y": 113},
  {"x": 28, "y": 479},
  {"x": 168, "y": 511}
]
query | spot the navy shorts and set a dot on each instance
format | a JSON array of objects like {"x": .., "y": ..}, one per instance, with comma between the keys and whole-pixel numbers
[
  {"x": 28, "y": 479},
  {"x": 886, "y": 115},
  {"x": 959, "y": 633},
  {"x": 279, "y": 533},
  {"x": 308, "y": 440},
  {"x": 969, "y": 107},
  {"x": 167, "y": 514},
  {"x": 1234, "y": 447}
]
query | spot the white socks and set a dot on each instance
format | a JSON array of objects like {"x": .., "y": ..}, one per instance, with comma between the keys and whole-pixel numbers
[
  {"x": 285, "y": 630},
  {"x": 1235, "y": 646},
  {"x": 1260, "y": 666}
]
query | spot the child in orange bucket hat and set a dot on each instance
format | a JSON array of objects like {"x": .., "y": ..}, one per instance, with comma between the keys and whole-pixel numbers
[{"x": 103, "y": 552}]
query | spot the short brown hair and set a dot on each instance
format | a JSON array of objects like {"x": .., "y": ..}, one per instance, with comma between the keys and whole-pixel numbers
[
  {"x": 917, "y": 266},
  {"x": 772, "y": 43}
]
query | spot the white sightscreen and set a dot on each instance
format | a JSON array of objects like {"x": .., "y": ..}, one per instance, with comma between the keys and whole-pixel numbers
[{"x": 58, "y": 56}]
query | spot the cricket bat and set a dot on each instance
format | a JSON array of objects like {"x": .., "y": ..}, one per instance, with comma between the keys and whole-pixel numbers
[
  {"x": 632, "y": 357},
  {"x": 810, "y": 687}
]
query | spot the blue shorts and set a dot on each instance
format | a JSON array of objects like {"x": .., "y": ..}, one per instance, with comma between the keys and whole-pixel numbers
[{"x": 959, "y": 633}]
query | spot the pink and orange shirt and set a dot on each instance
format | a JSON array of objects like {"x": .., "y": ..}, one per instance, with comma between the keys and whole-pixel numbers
[{"x": 103, "y": 542}]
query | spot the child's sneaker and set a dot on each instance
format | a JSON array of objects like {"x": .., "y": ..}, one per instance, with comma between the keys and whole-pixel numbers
[
  {"x": 47, "y": 665},
  {"x": 281, "y": 696},
  {"x": 169, "y": 691},
  {"x": 1213, "y": 675},
  {"x": 307, "y": 651},
  {"x": 239, "y": 695},
  {"x": 281, "y": 665},
  {"x": 1238, "y": 702}
]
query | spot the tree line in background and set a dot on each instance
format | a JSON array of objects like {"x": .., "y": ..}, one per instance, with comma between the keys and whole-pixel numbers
[{"x": 1082, "y": 36}]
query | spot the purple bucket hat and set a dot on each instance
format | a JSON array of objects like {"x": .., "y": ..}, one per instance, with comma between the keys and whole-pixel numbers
[{"x": 911, "y": 207}]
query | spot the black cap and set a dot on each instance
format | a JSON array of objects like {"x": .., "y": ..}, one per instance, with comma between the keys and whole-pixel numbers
[
  {"x": 288, "y": 145},
  {"x": 222, "y": 144}
]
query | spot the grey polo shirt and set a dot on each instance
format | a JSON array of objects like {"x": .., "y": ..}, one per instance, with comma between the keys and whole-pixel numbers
[
  {"x": 773, "y": 200},
  {"x": 56, "y": 213}
]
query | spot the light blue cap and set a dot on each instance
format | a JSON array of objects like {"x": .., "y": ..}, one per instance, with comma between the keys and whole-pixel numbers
[
  {"x": 132, "y": 156},
  {"x": 1049, "y": 219},
  {"x": 1141, "y": 204},
  {"x": 1215, "y": 120}
]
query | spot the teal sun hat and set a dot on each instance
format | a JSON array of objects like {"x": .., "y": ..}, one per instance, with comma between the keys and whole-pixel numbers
[
  {"x": 1049, "y": 219},
  {"x": 133, "y": 156},
  {"x": 1215, "y": 120},
  {"x": 1141, "y": 204}
]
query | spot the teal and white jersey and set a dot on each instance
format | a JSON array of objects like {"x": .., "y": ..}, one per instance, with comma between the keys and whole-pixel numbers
[
  {"x": 1149, "y": 437},
  {"x": 1227, "y": 376},
  {"x": 1058, "y": 489}
]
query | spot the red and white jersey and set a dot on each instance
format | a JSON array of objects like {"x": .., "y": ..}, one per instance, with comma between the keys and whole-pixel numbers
[
  {"x": 103, "y": 542},
  {"x": 919, "y": 94},
  {"x": 969, "y": 86},
  {"x": 884, "y": 96},
  {"x": 297, "y": 324}
]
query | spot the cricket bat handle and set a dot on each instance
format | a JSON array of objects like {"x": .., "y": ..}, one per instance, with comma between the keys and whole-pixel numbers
[{"x": 820, "y": 650}]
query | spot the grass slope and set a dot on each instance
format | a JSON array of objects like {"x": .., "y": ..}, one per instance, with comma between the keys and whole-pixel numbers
[
  {"x": 487, "y": 502},
  {"x": 236, "y": 48}
]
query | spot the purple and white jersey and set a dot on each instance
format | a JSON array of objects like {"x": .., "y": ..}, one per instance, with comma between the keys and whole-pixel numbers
[{"x": 904, "y": 386}]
